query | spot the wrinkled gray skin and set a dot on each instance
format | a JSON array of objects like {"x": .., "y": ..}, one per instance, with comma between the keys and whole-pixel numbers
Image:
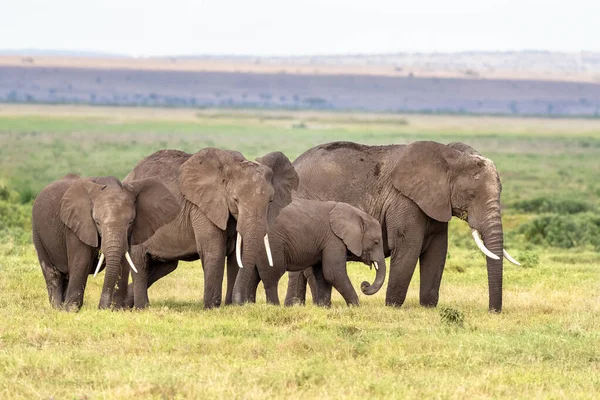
[
  {"x": 74, "y": 218},
  {"x": 307, "y": 232},
  {"x": 221, "y": 193},
  {"x": 413, "y": 191}
]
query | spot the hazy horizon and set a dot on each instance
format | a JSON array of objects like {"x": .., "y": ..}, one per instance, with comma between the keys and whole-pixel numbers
[{"x": 275, "y": 28}]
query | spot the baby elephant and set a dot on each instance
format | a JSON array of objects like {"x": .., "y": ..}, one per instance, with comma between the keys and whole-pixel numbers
[
  {"x": 74, "y": 218},
  {"x": 309, "y": 232}
]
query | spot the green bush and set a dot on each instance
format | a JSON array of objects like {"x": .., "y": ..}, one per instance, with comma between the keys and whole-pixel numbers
[
  {"x": 563, "y": 231},
  {"x": 542, "y": 205},
  {"x": 529, "y": 259},
  {"x": 15, "y": 218},
  {"x": 452, "y": 316}
]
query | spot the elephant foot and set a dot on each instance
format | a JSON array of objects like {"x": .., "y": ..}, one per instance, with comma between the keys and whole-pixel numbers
[
  {"x": 213, "y": 304},
  {"x": 71, "y": 307},
  {"x": 429, "y": 303},
  {"x": 294, "y": 301},
  {"x": 395, "y": 304}
]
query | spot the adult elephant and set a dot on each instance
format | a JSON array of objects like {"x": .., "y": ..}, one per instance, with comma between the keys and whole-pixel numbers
[
  {"x": 74, "y": 218},
  {"x": 413, "y": 191},
  {"x": 227, "y": 203}
]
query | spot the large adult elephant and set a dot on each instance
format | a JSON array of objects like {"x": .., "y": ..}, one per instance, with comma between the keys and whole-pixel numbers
[
  {"x": 227, "y": 203},
  {"x": 74, "y": 218},
  {"x": 413, "y": 191}
]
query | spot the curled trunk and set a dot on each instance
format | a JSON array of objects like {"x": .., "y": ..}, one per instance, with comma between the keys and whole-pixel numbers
[{"x": 369, "y": 289}]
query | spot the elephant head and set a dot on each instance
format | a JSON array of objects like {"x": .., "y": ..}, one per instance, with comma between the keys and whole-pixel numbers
[
  {"x": 223, "y": 183},
  {"x": 455, "y": 180},
  {"x": 361, "y": 234},
  {"x": 104, "y": 213}
]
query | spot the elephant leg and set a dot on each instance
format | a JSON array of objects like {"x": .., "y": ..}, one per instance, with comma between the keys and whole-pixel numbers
[
  {"x": 296, "y": 290},
  {"x": 270, "y": 277},
  {"x": 54, "y": 280},
  {"x": 80, "y": 261},
  {"x": 334, "y": 271},
  {"x": 323, "y": 287},
  {"x": 253, "y": 287},
  {"x": 232, "y": 272},
  {"x": 312, "y": 282},
  {"x": 431, "y": 265},
  {"x": 213, "y": 265},
  {"x": 154, "y": 271},
  {"x": 405, "y": 251}
]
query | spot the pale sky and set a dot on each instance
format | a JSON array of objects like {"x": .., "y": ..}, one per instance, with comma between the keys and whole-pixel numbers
[{"x": 282, "y": 27}]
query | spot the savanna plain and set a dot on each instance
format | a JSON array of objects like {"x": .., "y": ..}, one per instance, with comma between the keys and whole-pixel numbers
[{"x": 545, "y": 343}]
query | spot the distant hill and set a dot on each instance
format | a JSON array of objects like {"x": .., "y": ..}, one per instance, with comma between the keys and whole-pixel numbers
[
  {"x": 511, "y": 83},
  {"x": 58, "y": 53}
]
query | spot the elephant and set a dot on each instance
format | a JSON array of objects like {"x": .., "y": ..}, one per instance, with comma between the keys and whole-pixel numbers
[
  {"x": 413, "y": 191},
  {"x": 73, "y": 218},
  {"x": 309, "y": 231},
  {"x": 227, "y": 203}
]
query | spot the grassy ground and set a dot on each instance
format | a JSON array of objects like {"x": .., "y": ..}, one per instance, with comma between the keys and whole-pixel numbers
[{"x": 545, "y": 344}]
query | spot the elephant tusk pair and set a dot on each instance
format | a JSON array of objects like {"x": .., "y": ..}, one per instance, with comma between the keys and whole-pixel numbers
[
  {"x": 238, "y": 250},
  {"x": 376, "y": 265},
  {"x": 487, "y": 252},
  {"x": 127, "y": 257}
]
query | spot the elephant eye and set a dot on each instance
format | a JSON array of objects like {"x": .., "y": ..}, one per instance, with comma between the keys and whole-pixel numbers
[
  {"x": 97, "y": 223},
  {"x": 377, "y": 242},
  {"x": 131, "y": 222}
]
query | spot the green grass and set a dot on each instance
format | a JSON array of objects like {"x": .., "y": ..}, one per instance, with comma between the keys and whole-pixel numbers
[{"x": 545, "y": 344}]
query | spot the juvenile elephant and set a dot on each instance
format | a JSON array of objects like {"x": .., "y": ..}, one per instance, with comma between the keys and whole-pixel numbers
[
  {"x": 74, "y": 218},
  {"x": 225, "y": 199},
  {"x": 309, "y": 231},
  {"x": 413, "y": 191}
]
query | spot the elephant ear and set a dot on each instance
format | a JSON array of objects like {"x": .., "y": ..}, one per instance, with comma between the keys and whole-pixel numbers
[
  {"x": 421, "y": 174},
  {"x": 202, "y": 181},
  {"x": 285, "y": 179},
  {"x": 155, "y": 206},
  {"x": 76, "y": 210},
  {"x": 463, "y": 147},
  {"x": 347, "y": 224}
]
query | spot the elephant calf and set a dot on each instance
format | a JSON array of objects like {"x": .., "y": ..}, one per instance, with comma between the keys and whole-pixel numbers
[
  {"x": 308, "y": 232},
  {"x": 74, "y": 218}
]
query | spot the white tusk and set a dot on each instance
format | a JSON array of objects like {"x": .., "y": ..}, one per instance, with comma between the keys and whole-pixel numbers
[
  {"x": 238, "y": 250},
  {"x": 482, "y": 247},
  {"x": 99, "y": 264},
  {"x": 128, "y": 258},
  {"x": 376, "y": 265},
  {"x": 268, "y": 248},
  {"x": 509, "y": 258}
]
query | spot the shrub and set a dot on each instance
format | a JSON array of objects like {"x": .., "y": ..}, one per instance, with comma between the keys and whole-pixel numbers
[
  {"x": 15, "y": 218},
  {"x": 452, "y": 316},
  {"x": 543, "y": 205},
  {"x": 563, "y": 231},
  {"x": 529, "y": 259}
]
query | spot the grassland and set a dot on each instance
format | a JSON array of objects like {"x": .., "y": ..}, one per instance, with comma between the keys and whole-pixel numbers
[{"x": 545, "y": 344}]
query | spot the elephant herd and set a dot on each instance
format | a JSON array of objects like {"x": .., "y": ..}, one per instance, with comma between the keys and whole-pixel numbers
[{"x": 257, "y": 219}]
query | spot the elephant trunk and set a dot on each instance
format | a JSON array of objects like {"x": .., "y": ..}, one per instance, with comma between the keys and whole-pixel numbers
[
  {"x": 369, "y": 289},
  {"x": 113, "y": 248},
  {"x": 493, "y": 240},
  {"x": 250, "y": 244}
]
